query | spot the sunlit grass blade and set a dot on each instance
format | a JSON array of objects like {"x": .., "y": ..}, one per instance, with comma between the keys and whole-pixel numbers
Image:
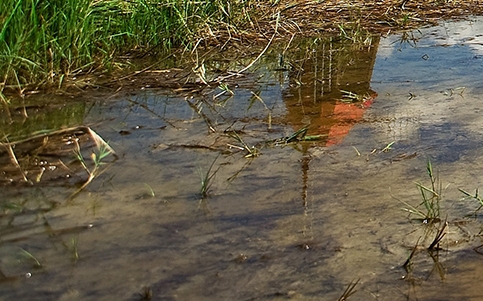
[
  {"x": 476, "y": 197},
  {"x": 32, "y": 257}
]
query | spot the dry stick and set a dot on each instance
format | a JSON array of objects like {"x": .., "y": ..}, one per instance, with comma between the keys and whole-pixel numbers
[
  {"x": 15, "y": 161},
  {"x": 92, "y": 175},
  {"x": 288, "y": 44},
  {"x": 222, "y": 78},
  {"x": 439, "y": 236},
  {"x": 136, "y": 73}
]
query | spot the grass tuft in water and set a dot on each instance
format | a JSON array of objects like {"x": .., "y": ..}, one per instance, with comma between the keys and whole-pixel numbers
[
  {"x": 429, "y": 208},
  {"x": 103, "y": 150},
  {"x": 146, "y": 294},
  {"x": 207, "y": 179},
  {"x": 436, "y": 228}
]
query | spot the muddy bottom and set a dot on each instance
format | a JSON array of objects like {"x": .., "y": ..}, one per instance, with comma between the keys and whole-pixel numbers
[{"x": 294, "y": 187}]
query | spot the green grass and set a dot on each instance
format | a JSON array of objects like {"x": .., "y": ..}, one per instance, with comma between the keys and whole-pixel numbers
[
  {"x": 41, "y": 42},
  {"x": 356, "y": 34},
  {"x": 429, "y": 208},
  {"x": 29, "y": 255},
  {"x": 206, "y": 179}
]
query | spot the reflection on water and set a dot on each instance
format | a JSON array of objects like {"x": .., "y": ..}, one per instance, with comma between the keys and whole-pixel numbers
[
  {"x": 23, "y": 118},
  {"x": 299, "y": 220},
  {"x": 329, "y": 87}
]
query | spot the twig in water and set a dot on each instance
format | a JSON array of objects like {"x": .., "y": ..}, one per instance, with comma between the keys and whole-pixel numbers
[
  {"x": 349, "y": 290},
  {"x": 439, "y": 236},
  {"x": 14, "y": 160}
]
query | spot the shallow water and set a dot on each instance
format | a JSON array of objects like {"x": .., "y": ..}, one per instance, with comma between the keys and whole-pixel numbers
[{"x": 298, "y": 221}]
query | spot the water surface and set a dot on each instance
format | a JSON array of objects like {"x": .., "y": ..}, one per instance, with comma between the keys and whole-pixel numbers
[{"x": 299, "y": 220}]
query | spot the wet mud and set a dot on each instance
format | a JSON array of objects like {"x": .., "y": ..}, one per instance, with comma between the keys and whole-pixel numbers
[{"x": 293, "y": 186}]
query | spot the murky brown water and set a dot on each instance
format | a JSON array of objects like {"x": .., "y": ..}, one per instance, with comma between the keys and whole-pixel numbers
[{"x": 299, "y": 221}]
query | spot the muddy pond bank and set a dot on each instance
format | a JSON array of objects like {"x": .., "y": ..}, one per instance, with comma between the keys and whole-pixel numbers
[{"x": 285, "y": 213}]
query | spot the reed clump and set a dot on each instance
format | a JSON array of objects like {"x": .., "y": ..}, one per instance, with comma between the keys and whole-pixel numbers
[{"x": 42, "y": 42}]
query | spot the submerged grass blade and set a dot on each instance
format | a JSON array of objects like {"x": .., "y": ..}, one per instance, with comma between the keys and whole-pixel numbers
[
  {"x": 407, "y": 263},
  {"x": 32, "y": 257},
  {"x": 349, "y": 290},
  {"x": 75, "y": 250},
  {"x": 298, "y": 135},
  {"x": 438, "y": 266}
]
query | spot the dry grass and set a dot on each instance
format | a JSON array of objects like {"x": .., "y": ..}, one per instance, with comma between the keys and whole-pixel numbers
[{"x": 376, "y": 16}]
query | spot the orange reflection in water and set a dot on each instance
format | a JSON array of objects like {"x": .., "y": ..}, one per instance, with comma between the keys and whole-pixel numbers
[
  {"x": 316, "y": 96},
  {"x": 346, "y": 115}
]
